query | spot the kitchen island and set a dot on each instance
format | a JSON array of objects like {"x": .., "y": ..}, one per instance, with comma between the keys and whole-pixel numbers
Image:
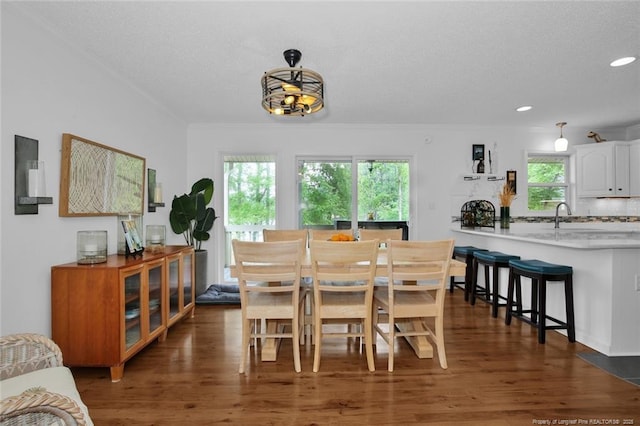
[{"x": 606, "y": 275}]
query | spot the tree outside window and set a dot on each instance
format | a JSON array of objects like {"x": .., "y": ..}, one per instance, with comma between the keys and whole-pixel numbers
[{"x": 547, "y": 177}]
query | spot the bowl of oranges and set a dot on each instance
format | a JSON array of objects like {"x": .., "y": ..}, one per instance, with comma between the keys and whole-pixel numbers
[{"x": 341, "y": 237}]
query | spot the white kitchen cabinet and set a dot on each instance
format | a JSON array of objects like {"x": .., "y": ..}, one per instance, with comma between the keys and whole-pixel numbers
[
  {"x": 634, "y": 169},
  {"x": 608, "y": 169}
]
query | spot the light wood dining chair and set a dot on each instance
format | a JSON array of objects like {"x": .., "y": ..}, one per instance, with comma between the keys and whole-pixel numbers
[
  {"x": 259, "y": 265},
  {"x": 379, "y": 234},
  {"x": 271, "y": 235},
  {"x": 302, "y": 235},
  {"x": 343, "y": 274},
  {"x": 413, "y": 301},
  {"x": 383, "y": 235}
]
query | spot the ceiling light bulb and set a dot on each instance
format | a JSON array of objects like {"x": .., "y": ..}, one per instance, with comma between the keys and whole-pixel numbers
[
  {"x": 306, "y": 108},
  {"x": 623, "y": 61},
  {"x": 561, "y": 143},
  {"x": 289, "y": 100},
  {"x": 524, "y": 108},
  {"x": 278, "y": 111}
]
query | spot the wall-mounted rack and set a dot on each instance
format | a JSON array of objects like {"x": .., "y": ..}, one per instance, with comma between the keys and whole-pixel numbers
[
  {"x": 479, "y": 176},
  {"x": 26, "y": 150}
]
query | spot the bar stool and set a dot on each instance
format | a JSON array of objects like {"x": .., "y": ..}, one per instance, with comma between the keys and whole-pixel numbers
[
  {"x": 496, "y": 260},
  {"x": 464, "y": 253},
  {"x": 540, "y": 272}
]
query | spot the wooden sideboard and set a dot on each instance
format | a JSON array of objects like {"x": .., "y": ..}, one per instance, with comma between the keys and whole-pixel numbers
[{"x": 103, "y": 314}]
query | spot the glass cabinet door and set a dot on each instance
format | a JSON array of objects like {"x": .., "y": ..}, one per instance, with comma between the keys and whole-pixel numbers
[
  {"x": 132, "y": 305},
  {"x": 173, "y": 284},
  {"x": 187, "y": 277},
  {"x": 155, "y": 277}
]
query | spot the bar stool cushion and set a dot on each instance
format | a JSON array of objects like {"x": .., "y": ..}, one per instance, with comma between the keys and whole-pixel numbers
[
  {"x": 466, "y": 250},
  {"x": 494, "y": 256},
  {"x": 539, "y": 267}
]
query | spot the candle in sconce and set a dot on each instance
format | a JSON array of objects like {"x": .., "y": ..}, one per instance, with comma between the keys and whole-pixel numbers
[
  {"x": 35, "y": 179},
  {"x": 155, "y": 239},
  {"x": 91, "y": 248},
  {"x": 157, "y": 193}
]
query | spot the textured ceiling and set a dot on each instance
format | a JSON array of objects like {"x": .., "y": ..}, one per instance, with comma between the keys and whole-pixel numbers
[{"x": 400, "y": 62}]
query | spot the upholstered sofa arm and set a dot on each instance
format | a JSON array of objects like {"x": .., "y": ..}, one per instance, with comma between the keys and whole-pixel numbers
[
  {"x": 35, "y": 387},
  {"x": 39, "y": 407},
  {"x": 23, "y": 353}
]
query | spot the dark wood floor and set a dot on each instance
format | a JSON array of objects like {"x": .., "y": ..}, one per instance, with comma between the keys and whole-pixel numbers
[{"x": 497, "y": 375}]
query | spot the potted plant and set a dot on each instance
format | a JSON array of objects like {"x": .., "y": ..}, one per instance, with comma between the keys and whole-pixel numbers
[{"x": 191, "y": 217}]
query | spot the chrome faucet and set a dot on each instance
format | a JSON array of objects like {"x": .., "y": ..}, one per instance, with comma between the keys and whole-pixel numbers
[{"x": 557, "y": 208}]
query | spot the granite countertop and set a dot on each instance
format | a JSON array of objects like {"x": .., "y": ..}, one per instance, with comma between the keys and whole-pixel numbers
[{"x": 597, "y": 236}]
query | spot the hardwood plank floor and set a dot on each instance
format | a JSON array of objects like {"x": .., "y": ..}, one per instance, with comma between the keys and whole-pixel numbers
[{"x": 497, "y": 375}]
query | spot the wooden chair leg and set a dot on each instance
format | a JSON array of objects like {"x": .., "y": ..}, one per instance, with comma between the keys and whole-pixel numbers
[
  {"x": 391, "y": 342},
  {"x": 317, "y": 336},
  {"x": 295, "y": 341},
  {"x": 442, "y": 356},
  {"x": 368, "y": 344},
  {"x": 246, "y": 338}
]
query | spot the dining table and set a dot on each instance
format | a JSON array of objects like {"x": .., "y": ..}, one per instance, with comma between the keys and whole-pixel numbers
[{"x": 420, "y": 344}]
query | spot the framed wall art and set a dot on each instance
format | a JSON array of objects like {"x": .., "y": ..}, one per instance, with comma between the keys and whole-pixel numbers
[
  {"x": 97, "y": 180},
  {"x": 478, "y": 152},
  {"x": 511, "y": 180}
]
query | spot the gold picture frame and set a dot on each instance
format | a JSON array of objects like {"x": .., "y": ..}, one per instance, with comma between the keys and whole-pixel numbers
[{"x": 98, "y": 180}]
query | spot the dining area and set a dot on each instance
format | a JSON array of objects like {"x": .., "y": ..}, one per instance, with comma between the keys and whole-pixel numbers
[{"x": 369, "y": 287}]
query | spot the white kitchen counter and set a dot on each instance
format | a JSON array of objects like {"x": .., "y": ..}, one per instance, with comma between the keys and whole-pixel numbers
[
  {"x": 606, "y": 275},
  {"x": 585, "y": 237}
]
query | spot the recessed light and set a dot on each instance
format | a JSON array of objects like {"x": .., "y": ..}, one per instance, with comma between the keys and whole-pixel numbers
[
  {"x": 524, "y": 108},
  {"x": 623, "y": 61}
]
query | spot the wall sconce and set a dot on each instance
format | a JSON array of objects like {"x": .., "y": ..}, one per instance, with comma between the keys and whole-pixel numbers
[
  {"x": 154, "y": 191},
  {"x": 561, "y": 142},
  {"x": 30, "y": 184}
]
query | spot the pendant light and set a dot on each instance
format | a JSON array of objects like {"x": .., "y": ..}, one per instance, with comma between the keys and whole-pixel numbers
[{"x": 561, "y": 142}]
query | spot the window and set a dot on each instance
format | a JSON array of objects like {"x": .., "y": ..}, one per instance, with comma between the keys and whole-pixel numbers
[
  {"x": 249, "y": 199},
  {"x": 547, "y": 181},
  {"x": 352, "y": 189}
]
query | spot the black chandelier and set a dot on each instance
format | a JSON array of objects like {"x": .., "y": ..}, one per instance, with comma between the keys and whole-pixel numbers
[{"x": 292, "y": 91}]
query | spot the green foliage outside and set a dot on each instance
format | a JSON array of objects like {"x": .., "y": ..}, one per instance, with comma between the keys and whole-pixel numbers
[
  {"x": 383, "y": 190},
  {"x": 251, "y": 193},
  {"x": 545, "y": 173},
  {"x": 326, "y": 192}
]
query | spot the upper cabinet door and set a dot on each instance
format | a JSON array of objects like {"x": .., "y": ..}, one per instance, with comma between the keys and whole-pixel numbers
[{"x": 595, "y": 170}]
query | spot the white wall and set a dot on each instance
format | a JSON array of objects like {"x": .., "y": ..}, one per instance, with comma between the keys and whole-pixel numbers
[
  {"x": 49, "y": 89},
  {"x": 441, "y": 153}
]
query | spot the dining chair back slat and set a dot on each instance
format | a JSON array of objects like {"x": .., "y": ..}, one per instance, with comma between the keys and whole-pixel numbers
[
  {"x": 273, "y": 235},
  {"x": 379, "y": 234}
]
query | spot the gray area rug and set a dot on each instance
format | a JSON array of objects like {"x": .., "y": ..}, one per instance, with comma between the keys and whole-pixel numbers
[
  {"x": 623, "y": 367},
  {"x": 220, "y": 294}
]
